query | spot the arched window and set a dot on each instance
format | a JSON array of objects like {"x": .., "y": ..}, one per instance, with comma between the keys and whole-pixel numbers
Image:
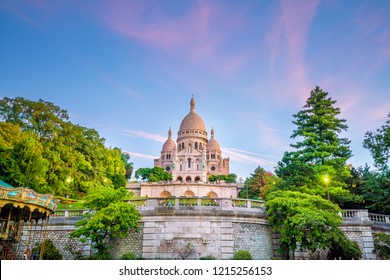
[
  {"x": 197, "y": 179},
  {"x": 181, "y": 166},
  {"x": 188, "y": 179},
  {"x": 196, "y": 145},
  {"x": 179, "y": 179},
  {"x": 189, "y": 163}
]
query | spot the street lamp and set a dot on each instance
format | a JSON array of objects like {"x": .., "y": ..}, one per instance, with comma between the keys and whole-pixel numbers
[
  {"x": 67, "y": 191},
  {"x": 326, "y": 179}
]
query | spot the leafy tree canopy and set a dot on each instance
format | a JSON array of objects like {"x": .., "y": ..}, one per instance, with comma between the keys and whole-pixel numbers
[
  {"x": 110, "y": 216},
  {"x": 259, "y": 181},
  {"x": 155, "y": 174},
  {"x": 378, "y": 143},
  {"x": 303, "y": 221},
  {"x": 40, "y": 149},
  {"x": 229, "y": 178}
]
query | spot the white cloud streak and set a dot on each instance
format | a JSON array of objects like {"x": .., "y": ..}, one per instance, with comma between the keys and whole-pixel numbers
[
  {"x": 139, "y": 155},
  {"x": 145, "y": 135},
  {"x": 242, "y": 156}
]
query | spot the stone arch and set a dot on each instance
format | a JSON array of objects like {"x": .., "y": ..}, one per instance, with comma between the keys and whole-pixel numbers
[
  {"x": 188, "y": 179},
  {"x": 212, "y": 194},
  {"x": 197, "y": 179},
  {"x": 179, "y": 178},
  {"x": 165, "y": 194},
  {"x": 189, "y": 193}
]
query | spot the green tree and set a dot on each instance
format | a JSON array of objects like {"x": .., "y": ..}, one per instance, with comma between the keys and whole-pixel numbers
[
  {"x": 155, "y": 174},
  {"x": 128, "y": 165},
  {"x": 228, "y": 178},
  {"x": 259, "y": 180},
  {"x": 319, "y": 152},
  {"x": 376, "y": 191},
  {"x": 21, "y": 158},
  {"x": 50, "y": 251},
  {"x": 378, "y": 143},
  {"x": 343, "y": 248},
  {"x": 110, "y": 216},
  {"x": 382, "y": 246},
  {"x": 304, "y": 221},
  {"x": 41, "y": 148}
]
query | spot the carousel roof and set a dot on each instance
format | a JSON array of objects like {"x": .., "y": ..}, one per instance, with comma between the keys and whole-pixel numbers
[
  {"x": 22, "y": 197},
  {"x": 5, "y": 185}
]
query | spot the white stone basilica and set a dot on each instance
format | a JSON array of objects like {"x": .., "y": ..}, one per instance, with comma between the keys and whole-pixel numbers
[
  {"x": 191, "y": 160},
  {"x": 194, "y": 157}
]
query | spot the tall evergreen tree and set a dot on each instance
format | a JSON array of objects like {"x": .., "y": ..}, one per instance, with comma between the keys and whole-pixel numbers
[
  {"x": 378, "y": 143},
  {"x": 319, "y": 152}
]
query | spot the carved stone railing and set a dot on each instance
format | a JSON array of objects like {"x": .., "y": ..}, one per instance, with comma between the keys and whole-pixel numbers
[
  {"x": 198, "y": 202},
  {"x": 379, "y": 218},
  {"x": 364, "y": 215},
  {"x": 71, "y": 213}
]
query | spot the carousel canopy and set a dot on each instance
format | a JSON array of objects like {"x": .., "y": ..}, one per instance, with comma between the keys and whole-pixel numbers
[{"x": 5, "y": 185}]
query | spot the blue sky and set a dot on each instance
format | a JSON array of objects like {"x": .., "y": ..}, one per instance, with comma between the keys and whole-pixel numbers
[{"x": 129, "y": 68}]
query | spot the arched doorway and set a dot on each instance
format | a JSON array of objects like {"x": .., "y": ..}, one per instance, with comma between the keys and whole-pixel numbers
[
  {"x": 189, "y": 193},
  {"x": 197, "y": 179},
  {"x": 188, "y": 179},
  {"x": 165, "y": 194},
  {"x": 212, "y": 194},
  {"x": 179, "y": 179}
]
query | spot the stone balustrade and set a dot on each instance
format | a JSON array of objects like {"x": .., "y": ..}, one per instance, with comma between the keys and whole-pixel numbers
[
  {"x": 179, "y": 203},
  {"x": 364, "y": 215}
]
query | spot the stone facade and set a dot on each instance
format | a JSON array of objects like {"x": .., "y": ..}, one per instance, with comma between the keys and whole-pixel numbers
[
  {"x": 254, "y": 238},
  {"x": 132, "y": 243},
  {"x": 216, "y": 231},
  {"x": 194, "y": 157}
]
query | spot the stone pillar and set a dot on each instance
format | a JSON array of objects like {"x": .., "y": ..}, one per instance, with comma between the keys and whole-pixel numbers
[
  {"x": 149, "y": 245},
  {"x": 227, "y": 240}
]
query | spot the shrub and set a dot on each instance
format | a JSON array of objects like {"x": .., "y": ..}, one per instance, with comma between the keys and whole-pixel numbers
[
  {"x": 382, "y": 246},
  {"x": 50, "y": 251},
  {"x": 209, "y": 257},
  {"x": 343, "y": 248},
  {"x": 242, "y": 255},
  {"x": 129, "y": 256}
]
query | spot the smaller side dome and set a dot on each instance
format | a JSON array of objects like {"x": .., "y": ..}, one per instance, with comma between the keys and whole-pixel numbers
[
  {"x": 213, "y": 144},
  {"x": 170, "y": 144}
]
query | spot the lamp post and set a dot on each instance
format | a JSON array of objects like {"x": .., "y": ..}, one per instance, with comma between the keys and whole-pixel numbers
[
  {"x": 326, "y": 179},
  {"x": 67, "y": 191}
]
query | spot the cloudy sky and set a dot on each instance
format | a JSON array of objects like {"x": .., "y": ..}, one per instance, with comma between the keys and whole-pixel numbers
[{"x": 129, "y": 68}]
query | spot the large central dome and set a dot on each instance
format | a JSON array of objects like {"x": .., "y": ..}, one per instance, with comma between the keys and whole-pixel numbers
[{"x": 192, "y": 121}]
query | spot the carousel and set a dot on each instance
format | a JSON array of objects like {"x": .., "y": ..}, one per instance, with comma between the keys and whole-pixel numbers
[{"x": 24, "y": 215}]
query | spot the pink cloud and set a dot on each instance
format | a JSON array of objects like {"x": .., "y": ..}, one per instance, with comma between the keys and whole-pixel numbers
[
  {"x": 190, "y": 34},
  {"x": 287, "y": 40}
]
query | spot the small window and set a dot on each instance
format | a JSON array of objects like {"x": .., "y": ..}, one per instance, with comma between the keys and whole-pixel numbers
[
  {"x": 189, "y": 163},
  {"x": 213, "y": 168},
  {"x": 168, "y": 156},
  {"x": 212, "y": 156},
  {"x": 196, "y": 145},
  {"x": 167, "y": 168}
]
